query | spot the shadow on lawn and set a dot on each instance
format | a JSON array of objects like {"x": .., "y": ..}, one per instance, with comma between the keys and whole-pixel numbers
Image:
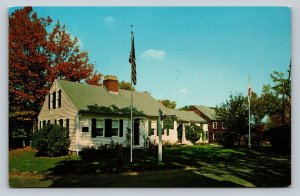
[{"x": 181, "y": 167}]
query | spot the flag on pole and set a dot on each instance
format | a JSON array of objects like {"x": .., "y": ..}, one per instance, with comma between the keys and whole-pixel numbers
[
  {"x": 132, "y": 60},
  {"x": 249, "y": 90}
]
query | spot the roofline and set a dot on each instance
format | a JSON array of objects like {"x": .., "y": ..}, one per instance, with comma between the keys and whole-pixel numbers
[
  {"x": 65, "y": 94},
  {"x": 49, "y": 97},
  {"x": 210, "y": 119}
]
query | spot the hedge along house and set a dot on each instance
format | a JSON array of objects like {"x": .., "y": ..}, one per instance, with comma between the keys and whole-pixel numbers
[
  {"x": 98, "y": 115},
  {"x": 214, "y": 125}
]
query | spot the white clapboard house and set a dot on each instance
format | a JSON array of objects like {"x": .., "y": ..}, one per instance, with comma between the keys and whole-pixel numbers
[{"x": 98, "y": 115}]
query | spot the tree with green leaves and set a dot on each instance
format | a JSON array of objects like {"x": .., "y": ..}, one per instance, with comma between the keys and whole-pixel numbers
[
  {"x": 185, "y": 108},
  {"x": 125, "y": 86},
  {"x": 234, "y": 113},
  {"x": 168, "y": 104},
  {"x": 193, "y": 132}
]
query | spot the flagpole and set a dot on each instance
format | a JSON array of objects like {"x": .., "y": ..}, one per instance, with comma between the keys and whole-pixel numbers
[
  {"x": 131, "y": 128},
  {"x": 131, "y": 132},
  {"x": 249, "y": 96}
]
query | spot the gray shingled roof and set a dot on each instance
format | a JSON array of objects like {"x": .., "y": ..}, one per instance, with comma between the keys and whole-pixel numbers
[
  {"x": 208, "y": 111},
  {"x": 96, "y": 99},
  {"x": 188, "y": 116}
]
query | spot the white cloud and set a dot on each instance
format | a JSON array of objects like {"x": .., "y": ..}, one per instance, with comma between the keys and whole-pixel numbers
[
  {"x": 109, "y": 19},
  {"x": 153, "y": 54},
  {"x": 183, "y": 90}
]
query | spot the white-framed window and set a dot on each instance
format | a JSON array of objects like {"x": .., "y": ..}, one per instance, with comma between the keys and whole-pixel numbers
[
  {"x": 99, "y": 128},
  {"x": 215, "y": 125},
  {"x": 115, "y": 128},
  {"x": 214, "y": 138},
  {"x": 85, "y": 125}
]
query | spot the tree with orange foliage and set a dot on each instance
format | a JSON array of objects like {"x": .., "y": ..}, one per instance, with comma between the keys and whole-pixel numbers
[
  {"x": 36, "y": 59},
  {"x": 66, "y": 59},
  {"x": 28, "y": 65}
]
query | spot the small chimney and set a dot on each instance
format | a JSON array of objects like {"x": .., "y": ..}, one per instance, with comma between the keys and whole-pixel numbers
[{"x": 111, "y": 84}]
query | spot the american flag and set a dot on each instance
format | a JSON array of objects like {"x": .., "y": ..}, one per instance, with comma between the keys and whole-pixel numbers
[
  {"x": 249, "y": 90},
  {"x": 132, "y": 60}
]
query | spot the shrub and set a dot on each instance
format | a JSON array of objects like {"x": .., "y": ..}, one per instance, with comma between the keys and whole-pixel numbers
[
  {"x": 51, "y": 140},
  {"x": 281, "y": 138},
  {"x": 227, "y": 139},
  {"x": 193, "y": 132}
]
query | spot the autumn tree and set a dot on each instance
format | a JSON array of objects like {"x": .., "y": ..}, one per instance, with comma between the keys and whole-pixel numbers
[
  {"x": 67, "y": 60},
  {"x": 28, "y": 65},
  {"x": 36, "y": 58}
]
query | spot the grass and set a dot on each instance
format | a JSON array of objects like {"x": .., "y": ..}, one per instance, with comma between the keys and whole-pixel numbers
[{"x": 189, "y": 166}]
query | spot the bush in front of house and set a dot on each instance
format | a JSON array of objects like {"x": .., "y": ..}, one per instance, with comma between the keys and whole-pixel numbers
[
  {"x": 226, "y": 139},
  {"x": 193, "y": 132},
  {"x": 51, "y": 140}
]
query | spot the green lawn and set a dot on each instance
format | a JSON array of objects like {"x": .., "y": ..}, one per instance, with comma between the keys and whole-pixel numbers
[{"x": 189, "y": 166}]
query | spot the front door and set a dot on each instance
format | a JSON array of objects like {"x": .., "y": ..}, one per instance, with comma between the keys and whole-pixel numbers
[{"x": 136, "y": 132}]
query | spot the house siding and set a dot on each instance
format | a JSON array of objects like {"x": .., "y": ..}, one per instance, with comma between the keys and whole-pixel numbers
[
  {"x": 210, "y": 129},
  {"x": 66, "y": 111},
  {"x": 166, "y": 138},
  {"x": 85, "y": 139}
]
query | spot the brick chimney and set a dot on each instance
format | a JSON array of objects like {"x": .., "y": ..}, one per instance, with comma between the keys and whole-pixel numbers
[{"x": 111, "y": 84}]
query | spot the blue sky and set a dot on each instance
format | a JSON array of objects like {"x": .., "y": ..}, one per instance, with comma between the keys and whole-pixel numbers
[{"x": 193, "y": 55}]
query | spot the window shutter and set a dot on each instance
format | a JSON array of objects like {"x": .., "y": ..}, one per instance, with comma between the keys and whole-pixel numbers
[
  {"x": 48, "y": 122},
  {"x": 156, "y": 128},
  {"x": 54, "y": 100},
  {"x": 149, "y": 128},
  {"x": 55, "y": 122},
  {"x": 49, "y": 100},
  {"x": 121, "y": 128},
  {"x": 67, "y": 124},
  {"x": 108, "y": 127},
  {"x": 93, "y": 127},
  {"x": 61, "y": 122},
  {"x": 59, "y": 98},
  {"x": 40, "y": 124}
]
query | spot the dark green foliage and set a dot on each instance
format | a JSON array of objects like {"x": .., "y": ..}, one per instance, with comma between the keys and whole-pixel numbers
[
  {"x": 227, "y": 139},
  {"x": 280, "y": 138},
  {"x": 234, "y": 113},
  {"x": 125, "y": 86},
  {"x": 193, "y": 132},
  {"x": 185, "y": 108},
  {"x": 51, "y": 140},
  {"x": 168, "y": 103}
]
